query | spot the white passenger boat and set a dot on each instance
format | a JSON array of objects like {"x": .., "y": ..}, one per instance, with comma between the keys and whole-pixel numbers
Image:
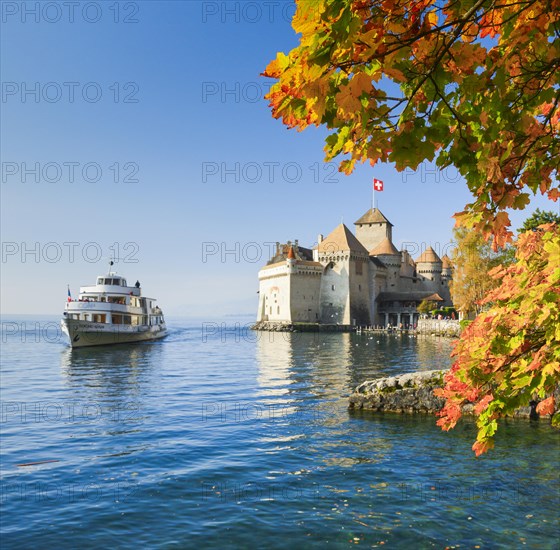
[{"x": 111, "y": 312}]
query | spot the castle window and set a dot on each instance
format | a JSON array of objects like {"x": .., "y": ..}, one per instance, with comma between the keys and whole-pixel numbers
[
  {"x": 358, "y": 265},
  {"x": 278, "y": 310},
  {"x": 332, "y": 287},
  {"x": 360, "y": 288}
]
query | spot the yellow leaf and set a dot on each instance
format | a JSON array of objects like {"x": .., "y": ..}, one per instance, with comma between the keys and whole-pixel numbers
[{"x": 432, "y": 18}]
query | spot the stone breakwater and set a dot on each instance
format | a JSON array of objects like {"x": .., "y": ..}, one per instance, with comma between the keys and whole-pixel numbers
[
  {"x": 414, "y": 393},
  {"x": 273, "y": 326}
]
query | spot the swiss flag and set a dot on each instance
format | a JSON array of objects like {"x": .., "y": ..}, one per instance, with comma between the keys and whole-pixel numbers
[{"x": 377, "y": 185}]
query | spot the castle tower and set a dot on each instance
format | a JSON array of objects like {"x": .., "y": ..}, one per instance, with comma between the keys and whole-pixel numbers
[
  {"x": 447, "y": 269},
  {"x": 289, "y": 286},
  {"x": 373, "y": 228},
  {"x": 345, "y": 281},
  {"x": 446, "y": 278},
  {"x": 429, "y": 267},
  {"x": 391, "y": 258}
]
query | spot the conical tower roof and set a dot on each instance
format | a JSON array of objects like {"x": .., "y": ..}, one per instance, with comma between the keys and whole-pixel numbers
[
  {"x": 428, "y": 256},
  {"x": 341, "y": 238},
  {"x": 446, "y": 262},
  {"x": 384, "y": 247},
  {"x": 373, "y": 215}
]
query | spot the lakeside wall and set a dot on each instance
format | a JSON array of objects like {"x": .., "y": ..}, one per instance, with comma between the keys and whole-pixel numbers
[{"x": 449, "y": 327}]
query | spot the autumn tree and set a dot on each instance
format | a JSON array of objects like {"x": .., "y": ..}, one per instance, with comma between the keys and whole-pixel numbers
[
  {"x": 510, "y": 354},
  {"x": 473, "y": 258},
  {"x": 539, "y": 218},
  {"x": 425, "y": 306},
  {"x": 474, "y": 84}
]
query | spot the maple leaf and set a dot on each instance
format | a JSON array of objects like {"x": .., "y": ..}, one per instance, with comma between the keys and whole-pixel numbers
[
  {"x": 546, "y": 406},
  {"x": 483, "y": 403},
  {"x": 480, "y": 447}
]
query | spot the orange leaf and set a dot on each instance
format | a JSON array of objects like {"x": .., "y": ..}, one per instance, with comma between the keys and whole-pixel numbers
[
  {"x": 546, "y": 406},
  {"x": 480, "y": 447}
]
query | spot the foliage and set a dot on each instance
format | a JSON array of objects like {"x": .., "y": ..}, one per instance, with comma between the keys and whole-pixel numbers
[
  {"x": 444, "y": 312},
  {"x": 510, "y": 354},
  {"x": 473, "y": 259},
  {"x": 539, "y": 218},
  {"x": 464, "y": 323},
  {"x": 474, "y": 84},
  {"x": 425, "y": 306}
]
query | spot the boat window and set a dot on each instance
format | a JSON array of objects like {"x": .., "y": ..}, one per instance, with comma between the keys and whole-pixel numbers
[
  {"x": 100, "y": 281},
  {"x": 123, "y": 282},
  {"x": 107, "y": 281}
]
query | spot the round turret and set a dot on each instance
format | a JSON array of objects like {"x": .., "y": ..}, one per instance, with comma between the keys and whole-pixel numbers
[
  {"x": 447, "y": 268},
  {"x": 429, "y": 266},
  {"x": 391, "y": 258}
]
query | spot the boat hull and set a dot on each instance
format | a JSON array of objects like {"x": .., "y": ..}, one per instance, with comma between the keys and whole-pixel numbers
[{"x": 86, "y": 333}]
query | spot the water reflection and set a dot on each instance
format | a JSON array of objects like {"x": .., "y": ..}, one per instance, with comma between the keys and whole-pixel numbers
[
  {"x": 313, "y": 374},
  {"x": 274, "y": 357},
  {"x": 118, "y": 371},
  {"x": 332, "y": 365},
  {"x": 109, "y": 386}
]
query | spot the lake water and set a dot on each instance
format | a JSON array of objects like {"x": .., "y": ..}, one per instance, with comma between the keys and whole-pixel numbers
[{"x": 224, "y": 438}]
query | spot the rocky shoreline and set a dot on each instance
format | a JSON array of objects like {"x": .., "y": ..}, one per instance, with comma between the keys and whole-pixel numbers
[{"x": 413, "y": 393}]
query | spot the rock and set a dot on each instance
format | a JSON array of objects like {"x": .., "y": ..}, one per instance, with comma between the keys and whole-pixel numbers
[{"x": 414, "y": 393}]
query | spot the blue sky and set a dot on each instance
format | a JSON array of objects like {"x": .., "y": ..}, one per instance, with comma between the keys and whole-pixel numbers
[{"x": 176, "y": 161}]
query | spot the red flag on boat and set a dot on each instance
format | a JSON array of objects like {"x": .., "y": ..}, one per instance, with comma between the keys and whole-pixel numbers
[{"x": 377, "y": 185}]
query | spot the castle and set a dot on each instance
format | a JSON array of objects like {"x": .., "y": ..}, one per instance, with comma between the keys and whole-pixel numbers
[{"x": 351, "y": 280}]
